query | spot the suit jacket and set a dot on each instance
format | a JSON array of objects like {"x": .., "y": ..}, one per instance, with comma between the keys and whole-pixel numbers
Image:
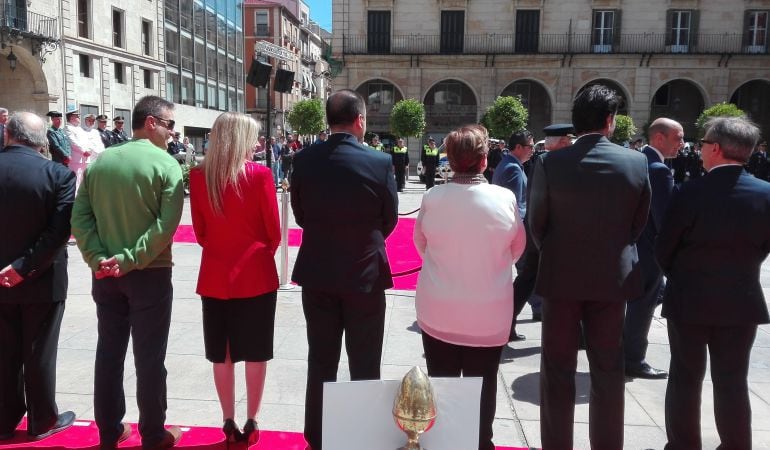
[
  {"x": 588, "y": 206},
  {"x": 714, "y": 238},
  {"x": 510, "y": 174},
  {"x": 344, "y": 197},
  {"x": 40, "y": 194},
  {"x": 239, "y": 245},
  {"x": 661, "y": 184}
]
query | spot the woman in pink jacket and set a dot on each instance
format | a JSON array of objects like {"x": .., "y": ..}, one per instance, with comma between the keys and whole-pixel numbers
[
  {"x": 235, "y": 218},
  {"x": 469, "y": 235}
]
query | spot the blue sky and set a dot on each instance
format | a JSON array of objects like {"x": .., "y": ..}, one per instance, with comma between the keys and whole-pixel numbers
[{"x": 321, "y": 12}]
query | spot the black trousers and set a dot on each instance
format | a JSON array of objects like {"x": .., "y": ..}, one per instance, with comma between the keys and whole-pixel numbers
[
  {"x": 637, "y": 323},
  {"x": 429, "y": 171},
  {"x": 449, "y": 360},
  {"x": 400, "y": 176},
  {"x": 526, "y": 275},
  {"x": 362, "y": 318},
  {"x": 138, "y": 305},
  {"x": 603, "y": 325},
  {"x": 729, "y": 349},
  {"x": 29, "y": 338}
]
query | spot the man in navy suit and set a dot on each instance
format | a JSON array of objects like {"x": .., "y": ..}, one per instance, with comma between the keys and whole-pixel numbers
[
  {"x": 344, "y": 197},
  {"x": 666, "y": 138},
  {"x": 37, "y": 196},
  {"x": 510, "y": 174},
  {"x": 588, "y": 205},
  {"x": 713, "y": 240}
]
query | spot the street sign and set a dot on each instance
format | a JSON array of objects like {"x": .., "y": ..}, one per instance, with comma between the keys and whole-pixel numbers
[{"x": 274, "y": 51}]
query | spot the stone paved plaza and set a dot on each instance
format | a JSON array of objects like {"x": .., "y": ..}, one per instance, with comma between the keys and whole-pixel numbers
[{"x": 192, "y": 398}]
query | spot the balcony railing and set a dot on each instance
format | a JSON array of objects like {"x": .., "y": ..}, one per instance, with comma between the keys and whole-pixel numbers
[
  {"x": 522, "y": 43},
  {"x": 27, "y": 23}
]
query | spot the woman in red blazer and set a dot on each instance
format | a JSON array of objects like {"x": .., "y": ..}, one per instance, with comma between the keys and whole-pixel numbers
[{"x": 235, "y": 218}]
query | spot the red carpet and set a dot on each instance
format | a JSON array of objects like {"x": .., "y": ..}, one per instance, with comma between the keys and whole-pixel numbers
[
  {"x": 84, "y": 435},
  {"x": 400, "y": 247}
]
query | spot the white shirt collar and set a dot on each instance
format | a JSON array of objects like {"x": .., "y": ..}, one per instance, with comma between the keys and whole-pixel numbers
[{"x": 587, "y": 134}]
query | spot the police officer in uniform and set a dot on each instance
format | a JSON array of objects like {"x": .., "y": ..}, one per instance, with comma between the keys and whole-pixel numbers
[
  {"x": 118, "y": 134},
  {"x": 429, "y": 158},
  {"x": 400, "y": 163},
  {"x": 104, "y": 133},
  {"x": 58, "y": 144},
  {"x": 376, "y": 144}
]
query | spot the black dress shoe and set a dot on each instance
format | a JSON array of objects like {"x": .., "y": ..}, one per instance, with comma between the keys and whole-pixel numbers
[
  {"x": 124, "y": 435},
  {"x": 515, "y": 337},
  {"x": 646, "y": 371},
  {"x": 170, "y": 439},
  {"x": 64, "y": 421}
]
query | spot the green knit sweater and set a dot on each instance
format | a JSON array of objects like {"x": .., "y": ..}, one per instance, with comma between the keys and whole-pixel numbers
[{"x": 129, "y": 206}]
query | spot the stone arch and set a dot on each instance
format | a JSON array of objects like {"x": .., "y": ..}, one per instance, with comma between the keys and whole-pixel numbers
[
  {"x": 380, "y": 95},
  {"x": 540, "y": 110},
  {"x": 449, "y": 103},
  {"x": 753, "y": 97},
  {"x": 680, "y": 99},
  {"x": 26, "y": 88},
  {"x": 615, "y": 85}
]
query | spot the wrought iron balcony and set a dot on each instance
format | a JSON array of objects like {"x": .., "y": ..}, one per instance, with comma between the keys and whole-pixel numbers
[
  {"x": 27, "y": 23},
  {"x": 522, "y": 43}
]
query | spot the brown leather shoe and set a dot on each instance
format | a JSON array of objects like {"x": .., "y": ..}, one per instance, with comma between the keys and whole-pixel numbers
[
  {"x": 172, "y": 437},
  {"x": 124, "y": 435}
]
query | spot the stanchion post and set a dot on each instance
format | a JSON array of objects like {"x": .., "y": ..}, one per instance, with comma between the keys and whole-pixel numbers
[{"x": 285, "y": 285}]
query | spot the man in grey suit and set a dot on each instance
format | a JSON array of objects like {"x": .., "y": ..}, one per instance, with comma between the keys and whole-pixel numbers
[
  {"x": 714, "y": 238},
  {"x": 666, "y": 138},
  {"x": 588, "y": 205}
]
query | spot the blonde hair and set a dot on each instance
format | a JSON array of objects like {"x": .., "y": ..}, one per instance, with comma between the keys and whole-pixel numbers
[
  {"x": 231, "y": 142},
  {"x": 466, "y": 148}
]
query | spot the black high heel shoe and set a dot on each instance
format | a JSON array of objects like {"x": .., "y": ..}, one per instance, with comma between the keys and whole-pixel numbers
[
  {"x": 251, "y": 432},
  {"x": 231, "y": 432}
]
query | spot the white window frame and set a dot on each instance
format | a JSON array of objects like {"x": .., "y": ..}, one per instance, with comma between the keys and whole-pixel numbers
[
  {"x": 600, "y": 46},
  {"x": 680, "y": 42}
]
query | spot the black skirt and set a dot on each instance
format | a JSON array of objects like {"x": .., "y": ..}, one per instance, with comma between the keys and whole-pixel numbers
[{"x": 245, "y": 324}]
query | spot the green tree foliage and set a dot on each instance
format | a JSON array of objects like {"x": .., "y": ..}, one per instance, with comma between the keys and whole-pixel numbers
[
  {"x": 624, "y": 129},
  {"x": 307, "y": 117},
  {"x": 408, "y": 118},
  {"x": 723, "y": 109},
  {"x": 506, "y": 115}
]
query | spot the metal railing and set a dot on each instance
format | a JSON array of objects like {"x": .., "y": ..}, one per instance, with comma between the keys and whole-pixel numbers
[
  {"x": 27, "y": 22},
  {"x": 567, "y": 43}
]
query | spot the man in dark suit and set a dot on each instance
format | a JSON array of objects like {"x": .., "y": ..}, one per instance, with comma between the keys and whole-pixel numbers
[
  {"x": 344, "y": 198},
  {"x": 509, "y": 174},
  {"x": 33, "y": 278},
  {"x": 588, "y": 205},
  {"x": 666, "y": 138},
  {"x": 3, "y": 120},
  {"x": 713, "y": 240}
]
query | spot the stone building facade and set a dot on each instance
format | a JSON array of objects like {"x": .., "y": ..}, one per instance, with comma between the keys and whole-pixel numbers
[{"x": 666, "y": 57}]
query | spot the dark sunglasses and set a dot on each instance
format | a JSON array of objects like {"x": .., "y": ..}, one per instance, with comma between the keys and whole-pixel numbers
[{"x": 167, "y": 123}]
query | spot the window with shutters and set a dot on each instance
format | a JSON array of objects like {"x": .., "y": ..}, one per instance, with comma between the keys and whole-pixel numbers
[
  {"x": 604, "y": 29},
  {"x": 378, "y": 32},
  {"x": 84, "y": 19},
  {"x": 679, "y": 31},
  {"x": 755, "y": 34},
  {"x": 452, "y": 31},
  {"x": 527, "y": 31}
]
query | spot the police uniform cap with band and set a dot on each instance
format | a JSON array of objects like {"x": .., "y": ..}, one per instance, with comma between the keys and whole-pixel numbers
[
  {"x": 559, "y": 129},
  {"x": 101, "y": 118},
  {"x": 430, "y": 139},
  {"x": 53, "y": 114},
  {"x": 118, "y": 119}
]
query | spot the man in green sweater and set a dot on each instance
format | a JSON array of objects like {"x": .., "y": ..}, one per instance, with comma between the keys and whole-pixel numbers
[{"x": 124, "y": 219}]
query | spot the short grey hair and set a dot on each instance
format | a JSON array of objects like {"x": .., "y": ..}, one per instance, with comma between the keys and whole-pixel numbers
[
  {"x": 736, "y": 135},
  {"x": 3, "y": 111},
  {"x": 27, "y": 128}
]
